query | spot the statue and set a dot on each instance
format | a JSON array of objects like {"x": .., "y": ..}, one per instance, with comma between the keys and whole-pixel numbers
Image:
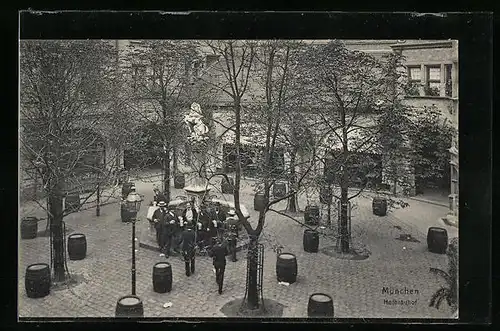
[
  {"x": 194, "y": 120},
  {"x": 197, "y": 189}
]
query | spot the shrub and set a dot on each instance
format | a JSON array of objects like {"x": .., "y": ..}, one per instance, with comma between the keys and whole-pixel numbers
[{"x": 449, "y": 292}]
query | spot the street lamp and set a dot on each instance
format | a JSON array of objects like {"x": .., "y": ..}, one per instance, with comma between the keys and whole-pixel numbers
[
  {"x": 133, "y": 204},
  {"x": 131, "y": 305}
]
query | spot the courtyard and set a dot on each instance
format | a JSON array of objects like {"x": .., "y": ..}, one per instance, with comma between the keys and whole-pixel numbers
[
  {"x": 360, "y": 289},
  {"x": 321, "y": 118}
]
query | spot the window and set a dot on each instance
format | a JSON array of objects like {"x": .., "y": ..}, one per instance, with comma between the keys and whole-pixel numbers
[
  {"x": 211, "y": 59},
  {"x": 433, "y": 83},
  {"x": 448, "y": 80},
  {"x": 414, "y": 74},
  {"x": 415, "y": 79}
]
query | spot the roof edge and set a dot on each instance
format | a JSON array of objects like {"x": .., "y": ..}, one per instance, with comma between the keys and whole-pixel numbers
[{"x": 436, "y": 44}]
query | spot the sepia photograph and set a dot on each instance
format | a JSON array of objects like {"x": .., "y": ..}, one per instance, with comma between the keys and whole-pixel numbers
[{"x": 247, "y": 178}]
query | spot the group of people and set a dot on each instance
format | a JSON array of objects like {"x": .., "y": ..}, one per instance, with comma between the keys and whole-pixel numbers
[{"x": 208, "y": 229}]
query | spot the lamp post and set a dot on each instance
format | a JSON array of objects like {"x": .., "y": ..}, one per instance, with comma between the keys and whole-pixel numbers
[
  {"x": 133, "y": 204},
  {"x": 131, "y": 305}
]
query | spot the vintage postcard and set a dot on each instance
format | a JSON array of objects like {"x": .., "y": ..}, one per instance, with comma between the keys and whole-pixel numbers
[{"x": 292, "y": 178}]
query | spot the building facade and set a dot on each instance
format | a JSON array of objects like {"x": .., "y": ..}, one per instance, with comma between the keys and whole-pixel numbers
[{"x": 433, "y": 69}]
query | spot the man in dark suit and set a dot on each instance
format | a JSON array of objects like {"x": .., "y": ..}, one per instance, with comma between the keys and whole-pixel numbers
[
  {"x": 188, "y": 243},
  {"x": 212, "y": 227},
  {"x": 221, "y": 220},
  {"x": 160, "y": 221},
  {"x": 169, "y": 231},
  {"x": 203, "y": 234},
  {"x": 232, "y": 227},
  {"x": 218, "y": 253}
]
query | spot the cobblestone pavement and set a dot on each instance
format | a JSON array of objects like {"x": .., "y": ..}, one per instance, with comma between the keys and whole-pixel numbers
[{"x": 356, "y": 286}]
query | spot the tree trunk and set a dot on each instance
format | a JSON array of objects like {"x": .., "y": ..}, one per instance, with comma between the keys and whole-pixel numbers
[
  {"x": 175, "y": 158},
  {"x": 166, "y": 172},
  {"x": 329, "y": 214},
  {"x": 56, "y": 232},
  {"x": 252, "y": 260},
  {"x": 344, "y": 185},
  {"x": 292, "y": 201},
  {"x": 167, "y": 142},
  {"x": 98, "y": 200},
  {"x": 344, "y": 231}
]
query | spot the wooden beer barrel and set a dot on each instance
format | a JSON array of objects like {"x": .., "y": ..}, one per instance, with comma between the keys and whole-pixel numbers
[
  {"x": 286, "y": 268},
  {"x": 179, "y": 181},
  {"x": 279, "y": 190},
  {"x": 437, "y": 240},
  {"x": 258, "y": 202},
  {"x": 379, "y": 206},
  {"x": 227, "y": 187},
  {"x": 37, "y": 280},
  {"x": 311, "y": 241},
  {"x": 129, "y": 306},
  {"x": 320, "y": 305},
  {"x": 77, "y": 246},
  {"x": 311, "y": 215},
  {"x": 29, "y": 228},
  {"x": 162, "y": 277}
]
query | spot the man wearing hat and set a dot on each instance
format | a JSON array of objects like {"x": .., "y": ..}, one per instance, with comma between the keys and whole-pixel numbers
[
  {"x": 166, "y": 224},
  {"x": 218, "y": 253},
  {"x": 203, "y": 228},
  {"x": 170, "y": 231},
  {"x": 160, "y": 220},
  {"x": 188, "y": 244},
  {"x": 232, "y": 224}
]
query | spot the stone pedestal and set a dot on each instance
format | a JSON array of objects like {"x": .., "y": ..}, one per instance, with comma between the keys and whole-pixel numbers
[
  {"x": 147, "y": 235},
  {"x": 197, "y": 193}
]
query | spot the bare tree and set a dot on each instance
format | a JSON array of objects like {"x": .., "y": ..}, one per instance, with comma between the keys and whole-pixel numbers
[
  {"x": 350, "y": 92},
  {"x": 68, "y": 89},
  {"x": 254, "y": 76},
  {"x": 161, "y": 73}
]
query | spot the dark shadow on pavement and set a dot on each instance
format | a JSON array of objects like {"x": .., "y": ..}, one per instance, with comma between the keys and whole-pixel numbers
[{"x": 234, "y": 308}]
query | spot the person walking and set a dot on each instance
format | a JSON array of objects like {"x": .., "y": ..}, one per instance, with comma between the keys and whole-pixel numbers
[
  {"x": 218, "y": 253},
  {"x": 188, "y": 244},
  {"x": 232, "y": 224}
]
